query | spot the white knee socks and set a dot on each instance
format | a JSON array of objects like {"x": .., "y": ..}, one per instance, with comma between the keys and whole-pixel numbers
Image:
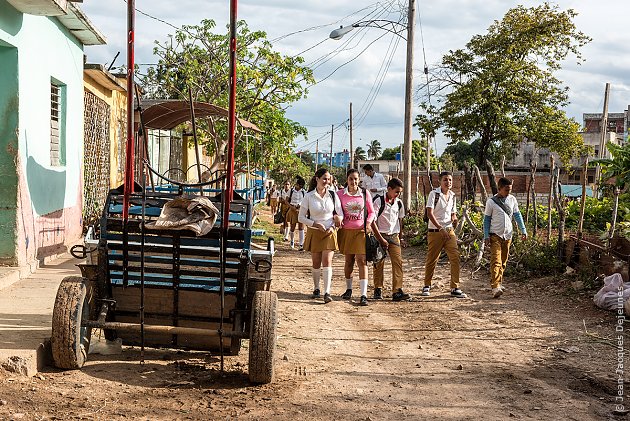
[
  {"x": 348, "y": 283},
  {"x": 316, "y": 273},
  {"x": 301, "y": 236},
  {"x": 327, "y": 278},
  {"x": 292, "y": 236},
  {"x": 363, "y": 285},
  {"x": 286, "y": 233}
]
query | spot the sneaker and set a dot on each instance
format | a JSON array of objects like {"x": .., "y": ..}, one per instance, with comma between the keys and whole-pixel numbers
[
  {"x": 292, "y": 245},
  {"x": 301, "y": 248},
  {"x": 502, "y": 288},
  {"x": 363, "y": 301},
  {"x": 347, "y": 295},
  {"x": 285, "y": 239},
  {"x": 316, "y": 293},
  {"x": 378, "y": 293},
  {"x": 496, "y": 292},
  {"x": 426, "y": 291},
  {"x": 457, "y": 293},
  {"x": 400, "y": 295},
  {"x": 327, "y": 298}
]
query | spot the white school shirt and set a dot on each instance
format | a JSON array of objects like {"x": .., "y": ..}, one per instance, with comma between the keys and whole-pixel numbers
[
  {"x": 296, "y": 197},
  {"x": 443, "y": 209},
  {"x": 389, "y": 221},
  {"x": 320, "y": 209},
  {"x": 284, "y": 194},
  {"x": 377, "y": 182},
  {"x": 501, "y": 223},
  {"x": 275, "y": 194}
]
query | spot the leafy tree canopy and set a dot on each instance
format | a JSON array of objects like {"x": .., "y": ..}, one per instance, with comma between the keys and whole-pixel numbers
[
  {"x": 196, "y": 58},
  {"x": 501, "y": 87}
]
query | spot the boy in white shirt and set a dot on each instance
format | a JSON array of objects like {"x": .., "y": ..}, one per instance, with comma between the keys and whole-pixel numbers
[
  {"x": 373, "y": 182},
  {"x": 442, "y": 215},
  {"x": 497, "y": 231},
  {"x": 387, "y": 227}
]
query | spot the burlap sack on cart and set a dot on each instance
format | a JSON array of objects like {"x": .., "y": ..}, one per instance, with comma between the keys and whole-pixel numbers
[{"x": 197, "y": 214}]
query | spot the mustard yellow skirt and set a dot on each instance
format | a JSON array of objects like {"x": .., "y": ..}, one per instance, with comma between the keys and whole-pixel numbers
[
  {"x": 273, "y": 201},
  {"x": 317, "y": 241},
  {"x": 351, "y": 241},
  {"x": 292, "y": 215}
]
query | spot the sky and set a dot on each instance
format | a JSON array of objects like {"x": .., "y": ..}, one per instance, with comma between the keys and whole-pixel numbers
[{"x": 369, "y": 70}]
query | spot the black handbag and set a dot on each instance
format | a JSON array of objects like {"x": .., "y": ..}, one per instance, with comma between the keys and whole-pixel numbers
[
  {"x": 278, "y": 217},
  {"x": 374, "y": 251}
]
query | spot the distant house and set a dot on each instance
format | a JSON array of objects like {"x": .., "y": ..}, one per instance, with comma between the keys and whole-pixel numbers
[{"x": 41, "y": 126}]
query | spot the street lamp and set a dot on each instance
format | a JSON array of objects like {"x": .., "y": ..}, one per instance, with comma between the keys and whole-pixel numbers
[{"x": 397, "y": 28}]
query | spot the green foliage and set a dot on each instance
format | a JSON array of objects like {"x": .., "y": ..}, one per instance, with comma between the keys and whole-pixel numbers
[
  {"x": 359, "y": 155},
  {"x": 618, "y": 167},
  {"x": 534, "y": 257},
  {"x": 390, "y": 153},
  {"x": 196, "y": 58},
  {"x": 502, "y": 87},
  {"x": 374, "y": 149}
]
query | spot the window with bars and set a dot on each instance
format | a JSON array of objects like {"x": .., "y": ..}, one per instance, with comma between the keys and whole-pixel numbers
[{"x": 57, "y": 124}]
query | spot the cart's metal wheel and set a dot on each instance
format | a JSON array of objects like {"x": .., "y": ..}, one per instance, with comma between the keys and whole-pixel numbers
[
  {"x": 262, "y": 340},
  {"x": 70, "y": 341}
]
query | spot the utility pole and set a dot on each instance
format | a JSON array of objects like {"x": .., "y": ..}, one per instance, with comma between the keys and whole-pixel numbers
[
  {"x": 332, "y": 131},
  {"x": 316, "y": 153},
  {"x": 602, "y": 140},
  {"x": 351, "y": 147},
  {"x": 411, "y": 23}
]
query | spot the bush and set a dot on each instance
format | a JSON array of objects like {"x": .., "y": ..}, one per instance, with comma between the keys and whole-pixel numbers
[{"x": 534, "y": 257}]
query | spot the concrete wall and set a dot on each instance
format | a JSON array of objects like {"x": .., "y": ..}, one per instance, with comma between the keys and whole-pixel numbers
[{"x": 48, "y": 211}]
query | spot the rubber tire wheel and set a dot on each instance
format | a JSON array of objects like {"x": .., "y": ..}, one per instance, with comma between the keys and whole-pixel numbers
[
  {"x": 262, "y": 341},
  {"x": 70, "y": 342}
]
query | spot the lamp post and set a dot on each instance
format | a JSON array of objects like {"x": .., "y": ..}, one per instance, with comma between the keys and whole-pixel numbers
[{"x": 395, "y": 28}]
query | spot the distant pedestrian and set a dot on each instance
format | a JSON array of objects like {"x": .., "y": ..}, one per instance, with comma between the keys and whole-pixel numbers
[
  {"x": 321, "y": 211},
  {"x": 442, "y": 213},
  {"x": 273, "y": 200},
  {"x": 295, "y": 200},
  {"x": 373, "y": 181},
  {"x": 497, "y": 231},
  {"x": 387, "y": 227},
  {"x": 284, "y": 206},
  {"x": 358, "y": 210}
]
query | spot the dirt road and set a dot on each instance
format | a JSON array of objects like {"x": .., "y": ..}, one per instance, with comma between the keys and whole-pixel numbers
[{"x": 524, "y": 356}]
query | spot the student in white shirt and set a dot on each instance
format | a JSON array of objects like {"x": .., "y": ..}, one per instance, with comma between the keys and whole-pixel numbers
[
  {"x": 442, "y": 215},
  {"x": 295, "y": 200},
  {"x": 387, "y": 227},
  {"x": 373, "y": 182},
  {"x": 273, "y": 200},
  {"x": 321, "y": 211},
  {"x": 284, "y": 206},
  {"x": 497, "y": 231}
]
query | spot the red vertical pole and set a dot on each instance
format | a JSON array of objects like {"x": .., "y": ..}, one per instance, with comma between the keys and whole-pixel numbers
[
  {"x": 229, "y": 190},
  {"x": 128, "y": 185}
]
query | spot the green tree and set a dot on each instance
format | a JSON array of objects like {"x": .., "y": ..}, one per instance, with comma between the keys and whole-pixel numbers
[
  {"x": 502, "y": 87},
  {"x": 359, "y": 155},
  {"x": 196, "y": 58},
  {"x": 374, "y": 149},
  {"x": 390, "y": 153},
  {"x": 308, "y": 159},
  {"x": 617, "y": 167}
]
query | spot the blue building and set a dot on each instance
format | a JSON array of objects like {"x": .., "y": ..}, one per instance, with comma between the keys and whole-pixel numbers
[{"x": 339, "y": 159}]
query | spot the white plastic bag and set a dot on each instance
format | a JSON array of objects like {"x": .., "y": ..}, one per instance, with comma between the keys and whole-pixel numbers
[{"x": 608, "y": 296}]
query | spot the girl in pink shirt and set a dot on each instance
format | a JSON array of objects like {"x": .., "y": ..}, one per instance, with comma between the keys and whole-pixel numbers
[{"x": 355, "y": 203}]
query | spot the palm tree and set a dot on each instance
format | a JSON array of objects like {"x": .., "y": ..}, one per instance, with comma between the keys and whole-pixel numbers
[
  {"x": 374, "y": 149},
  {"x": 359, "y": 154}
]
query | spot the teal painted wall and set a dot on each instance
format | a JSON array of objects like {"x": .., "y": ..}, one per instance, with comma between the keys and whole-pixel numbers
[{"x": 8, "y": 151}]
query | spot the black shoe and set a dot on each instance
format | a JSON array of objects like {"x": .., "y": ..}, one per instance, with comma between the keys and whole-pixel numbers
[
  {"x": 457, "y": 293},
  {"x": 378, "y": 293},
  {"x": 347, "y": 295},
  {"x": 363, "y": 301},
  {"x": 327, "y": 298},
  {"x": 316, "y": 293},
  {"x": 400, "y": 295}
]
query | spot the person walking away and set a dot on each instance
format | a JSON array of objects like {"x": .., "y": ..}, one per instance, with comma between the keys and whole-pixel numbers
[
  {"x": 441, "y": 211},
  {"x": 321, "y": 211},
  {"x": 284, "y": 206},
  {"x": 387, "y": 227},
  {"x": 358, "y": 212},
  {"x": 294, "y": 200},
  {"x": 373, "y": 181},
  {"x": 497, "y": 231},
  {"x": 273, "y": 201}
]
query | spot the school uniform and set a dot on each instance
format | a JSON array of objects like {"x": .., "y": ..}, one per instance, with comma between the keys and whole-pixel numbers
[
  {"x": 318, "y": 209},
  {"x": 377, "y": 181},
  {"x": 295, "y": 199},
  {"x": 351, "y": 236},
  {"x": 388, "y": 224},
  {"x": 443, "y": 208}
]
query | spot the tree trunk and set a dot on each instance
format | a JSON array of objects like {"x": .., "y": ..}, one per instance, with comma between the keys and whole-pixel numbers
[
  {"x": 503, "y": 166},
  {"x": 551, "y": 181},
  {"x": 614, "y": 214},
  {"x": 470, "y": 189},
  {"x": 492, "y": 178},
  {"x": 561, "y": 208},
  {"x": 532, "y": 189},
  {"x": 482, "y": 188}
]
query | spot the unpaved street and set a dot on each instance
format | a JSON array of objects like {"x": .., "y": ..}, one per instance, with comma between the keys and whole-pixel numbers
[{"x": 525, "y": 356}]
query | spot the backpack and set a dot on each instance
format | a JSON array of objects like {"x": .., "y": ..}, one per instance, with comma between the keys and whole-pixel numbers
[
  {"x": 425, "y": 217},
  {"x": 291, "y": 194},
  {"x": 382, "y": 207},
  {"x": 332, "y": 194}
]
